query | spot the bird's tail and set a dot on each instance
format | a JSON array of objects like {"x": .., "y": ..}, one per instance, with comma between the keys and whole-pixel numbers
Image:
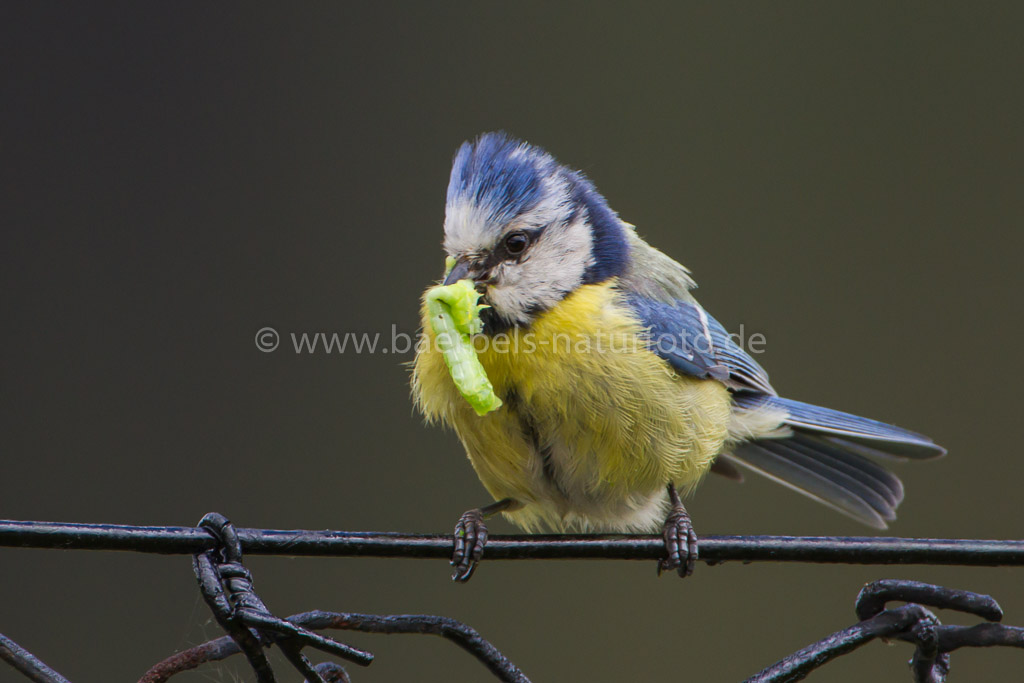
[{"x": 826, "y": 457}]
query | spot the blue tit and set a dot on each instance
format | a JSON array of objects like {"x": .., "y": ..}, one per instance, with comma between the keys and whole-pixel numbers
[{"x": 620, "y": 392}]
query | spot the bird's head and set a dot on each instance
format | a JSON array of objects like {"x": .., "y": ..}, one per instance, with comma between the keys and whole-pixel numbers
[{"x": 527, "y": 230}]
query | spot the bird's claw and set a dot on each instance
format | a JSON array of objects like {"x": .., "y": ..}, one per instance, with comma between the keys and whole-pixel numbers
[
  {"x": 680, "y": 543},
  {"x": 470, "y": 538}
]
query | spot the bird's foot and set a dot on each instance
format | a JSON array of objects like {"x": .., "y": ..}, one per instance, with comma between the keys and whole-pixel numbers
[
  {"x": 470, "y": 538},
  {"x": 680, "y": 540}
]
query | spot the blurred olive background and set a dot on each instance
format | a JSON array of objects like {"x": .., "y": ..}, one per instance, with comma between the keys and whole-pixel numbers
[{"x": 846, "y": 180}]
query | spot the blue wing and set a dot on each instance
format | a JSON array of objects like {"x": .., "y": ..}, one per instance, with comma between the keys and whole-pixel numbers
[
  {"x": 696, "y": 344},
  {"x": 823, "y": 456}
]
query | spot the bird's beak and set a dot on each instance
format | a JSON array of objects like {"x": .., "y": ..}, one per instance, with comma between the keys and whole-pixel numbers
[{"x": 459, "y": 271}]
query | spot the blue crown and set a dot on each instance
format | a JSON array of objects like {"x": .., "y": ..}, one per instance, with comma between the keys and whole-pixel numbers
[
  {"x": 505, "y": 176},
  {"x": 501, "y": 174}
]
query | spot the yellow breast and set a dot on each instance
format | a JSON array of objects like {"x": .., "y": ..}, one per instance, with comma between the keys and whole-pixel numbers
[{"x": 594, "y": 424}]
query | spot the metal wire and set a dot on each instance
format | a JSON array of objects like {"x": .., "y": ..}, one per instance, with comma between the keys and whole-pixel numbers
[
  {"x": 27, "y": 663},
  {"x": 462, "y": 635},
  {"x": 227, "y": 588},
  {"x": 217, "y": 548},
  {"x": 912, "y": 623},
  {"x": 713, "y": 549}
]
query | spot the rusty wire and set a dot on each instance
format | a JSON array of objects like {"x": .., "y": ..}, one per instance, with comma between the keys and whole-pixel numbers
[{"x": 462, "y": 635}]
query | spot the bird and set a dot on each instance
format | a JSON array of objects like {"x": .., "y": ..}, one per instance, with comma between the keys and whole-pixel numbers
[{"x": 619, "y": 391}]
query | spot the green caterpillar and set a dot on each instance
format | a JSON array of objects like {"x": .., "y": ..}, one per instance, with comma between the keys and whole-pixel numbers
[{"x": 454, "y": 317}]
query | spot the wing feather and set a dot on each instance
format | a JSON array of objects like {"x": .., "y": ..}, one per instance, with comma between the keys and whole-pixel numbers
[{"x": 693, "y": 342}]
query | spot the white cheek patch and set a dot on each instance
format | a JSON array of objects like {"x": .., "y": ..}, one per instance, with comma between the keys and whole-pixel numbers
[{"x": 553, "y": 267}]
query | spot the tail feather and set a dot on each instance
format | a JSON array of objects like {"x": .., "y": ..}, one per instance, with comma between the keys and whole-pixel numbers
[
  {"x": 862, "y": 448},
  {"x": 880, "y": 436},
  {"x": 779, "y": 460},
  {"x": 825, "y": 457},
  {"x": 871, "y": 474}
]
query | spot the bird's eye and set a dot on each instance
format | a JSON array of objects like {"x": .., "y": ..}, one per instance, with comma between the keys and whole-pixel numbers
[{"x": 516, "y": 243}]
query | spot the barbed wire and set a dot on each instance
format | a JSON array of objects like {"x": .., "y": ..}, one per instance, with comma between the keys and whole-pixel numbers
[
  {"x": 216, "y": 547},
  {"x": 450, "y": 629},
  {"x": 912, "y": 623}
]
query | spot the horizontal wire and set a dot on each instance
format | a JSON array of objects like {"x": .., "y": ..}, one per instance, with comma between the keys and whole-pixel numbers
[{"x": 713, "y": 549}]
